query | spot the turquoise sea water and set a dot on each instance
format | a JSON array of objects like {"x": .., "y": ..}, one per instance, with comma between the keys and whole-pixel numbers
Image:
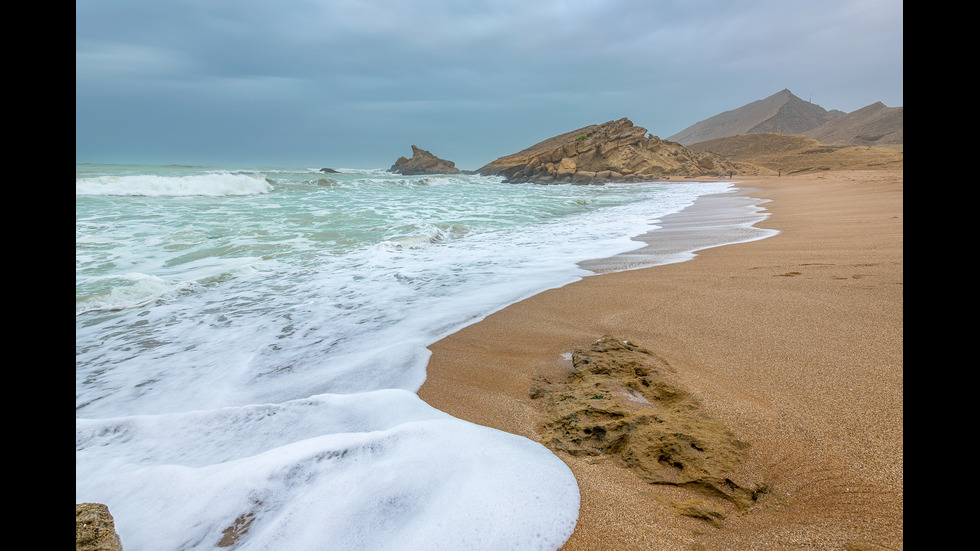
[{"x": 249, "y": 343}]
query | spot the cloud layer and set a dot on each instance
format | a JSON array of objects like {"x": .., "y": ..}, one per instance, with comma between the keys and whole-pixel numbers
[{"x": 354, "y": 83}]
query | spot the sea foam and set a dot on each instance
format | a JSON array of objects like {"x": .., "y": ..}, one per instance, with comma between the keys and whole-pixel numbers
[
  {"x": 379, "y": 470},
  {"x": 248, "y": 352},
  {"x": 211, "y": 184}
]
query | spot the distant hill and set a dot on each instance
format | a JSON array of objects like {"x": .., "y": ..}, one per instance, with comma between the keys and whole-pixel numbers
[
  {"x": 781, "y": 112},
  {"x": 875, "y": 124},
  {"x": 785, "y": 113},
  {"x": 793, "y": 154}
]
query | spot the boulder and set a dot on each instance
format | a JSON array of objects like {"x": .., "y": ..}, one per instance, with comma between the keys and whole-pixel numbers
[{"x": 95, "y": 530}]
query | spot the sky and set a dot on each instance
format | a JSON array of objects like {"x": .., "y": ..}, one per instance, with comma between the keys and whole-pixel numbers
[{"x": 356, "y": 83}]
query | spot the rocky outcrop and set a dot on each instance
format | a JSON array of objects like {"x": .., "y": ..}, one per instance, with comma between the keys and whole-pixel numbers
[
  {"x": 423, "y": 162},
  {"x": 615, "y": 151},
  {"x": 95, "y": 529},
  {"x": 623, "y": 403}
]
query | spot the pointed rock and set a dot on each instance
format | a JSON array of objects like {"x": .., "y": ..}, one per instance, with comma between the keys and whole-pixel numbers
[{"x": 423, "y": 162}]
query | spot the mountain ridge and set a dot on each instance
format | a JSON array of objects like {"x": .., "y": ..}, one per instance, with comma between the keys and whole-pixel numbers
[
  {"x": 785, "y": 113},
  {"x": 782, "y": 112},
  {"x": 875, "y": 124}
]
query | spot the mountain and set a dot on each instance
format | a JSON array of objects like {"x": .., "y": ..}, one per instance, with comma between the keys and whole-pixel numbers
[
  {"x": 614, "y": 151},
  {"x": 875, "y": 124},
  {"x": 781, "y": 112},
  {"x": 784, "y": 113}
]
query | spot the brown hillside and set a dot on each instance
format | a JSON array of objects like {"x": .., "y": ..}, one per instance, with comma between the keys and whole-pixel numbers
[
  {"x": 791, "y": 154},
  {"x": 875, "y": 124},
  {"x": 781, "y": 112},
  {"x": 784, "y": 113}
]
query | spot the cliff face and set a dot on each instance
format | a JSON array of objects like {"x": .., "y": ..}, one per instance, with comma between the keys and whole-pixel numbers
[
  {"x": 615, "y": 151},
  {"x": 423, "y": 162}
]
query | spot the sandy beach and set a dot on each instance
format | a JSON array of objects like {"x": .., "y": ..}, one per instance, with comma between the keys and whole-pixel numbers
[{"x": 794, "y": 343}]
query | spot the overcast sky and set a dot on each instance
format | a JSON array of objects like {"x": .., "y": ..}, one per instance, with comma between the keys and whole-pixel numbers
[{"x": 354, "y": 83}]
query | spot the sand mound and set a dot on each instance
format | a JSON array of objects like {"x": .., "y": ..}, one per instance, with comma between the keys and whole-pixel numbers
[
  {"x": 796, "y": 154},
  {"x": 620, "y": 402}
]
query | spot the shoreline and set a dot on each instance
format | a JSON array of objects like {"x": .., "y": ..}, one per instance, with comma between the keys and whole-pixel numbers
[
  {"x": 713, "y": 220},
  {"x": 793, "y": 341}
]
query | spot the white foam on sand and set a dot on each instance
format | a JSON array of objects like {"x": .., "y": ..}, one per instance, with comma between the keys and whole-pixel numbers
[
  {"x": 712, "y": 221},
  {"x": 378, "y": 470}
]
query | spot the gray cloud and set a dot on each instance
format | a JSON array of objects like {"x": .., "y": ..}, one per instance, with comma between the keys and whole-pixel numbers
[{"x": 354, "y": 83}]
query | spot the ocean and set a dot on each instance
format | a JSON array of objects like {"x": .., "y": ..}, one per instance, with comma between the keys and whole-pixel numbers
[{"x": 249, "y": 341}]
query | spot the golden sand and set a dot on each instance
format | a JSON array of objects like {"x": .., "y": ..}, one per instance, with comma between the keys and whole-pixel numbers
[{"x": 794, "y": 343}]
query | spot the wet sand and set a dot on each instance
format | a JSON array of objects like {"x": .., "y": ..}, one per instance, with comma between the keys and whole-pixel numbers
[{"x": 793, "y": 342}]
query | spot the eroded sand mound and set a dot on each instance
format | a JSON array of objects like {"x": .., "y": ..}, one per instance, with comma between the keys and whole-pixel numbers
[
  {"x": 795, "y": 154},
  {"x": 621, "y": 402}
]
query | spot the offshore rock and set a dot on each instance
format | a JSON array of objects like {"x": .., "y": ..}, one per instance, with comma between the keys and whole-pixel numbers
[
  {"x": 615, "y": 151},
  {"x": 423, "y": 162},
  {"x": 95, "y": 529}
]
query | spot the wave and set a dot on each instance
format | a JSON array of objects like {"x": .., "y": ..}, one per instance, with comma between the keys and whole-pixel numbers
[
  {"x": 214, "y": 184},
  {"x": 133, "y": 290}
]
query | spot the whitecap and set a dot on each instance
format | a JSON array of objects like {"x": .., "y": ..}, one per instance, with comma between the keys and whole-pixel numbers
[
  {"x": 132, "y": 290},
  {"x": 214, "y": 184}
]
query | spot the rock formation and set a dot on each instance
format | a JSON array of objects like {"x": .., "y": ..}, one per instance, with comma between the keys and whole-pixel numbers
[
  {"x": 622, "y": 402},
  {"x": 423, "y": 162},
  {"x": 95, "y": 529},
  {"x": 615, "y": 151}
]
